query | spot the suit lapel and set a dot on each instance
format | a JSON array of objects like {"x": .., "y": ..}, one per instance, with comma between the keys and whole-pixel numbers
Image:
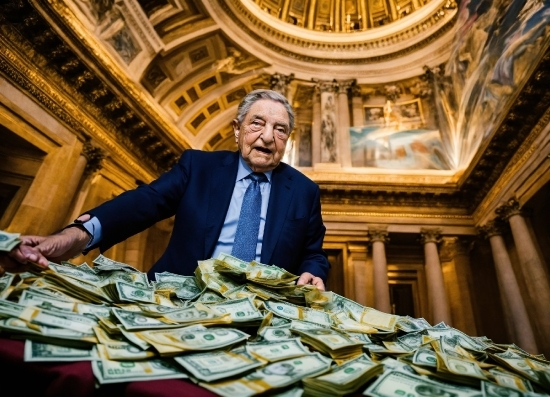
[
  {"x": 220, "y": 184},
  {"x": 282, "y": 189}
]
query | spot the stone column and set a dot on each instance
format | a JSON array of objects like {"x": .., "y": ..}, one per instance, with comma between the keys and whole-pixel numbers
[
  {"x": 437, "y": 295},
  {"x": 279, "y": 83},
  {"x": 344, "y": 123},
  {"x": 316, "y": 127},
  {"x": 329, "y": 123},
  {"x": 510, "y": 293},
  {"x": 91, "y": 157},
  {"x": 454, "y": 255},
  {"x": 532, "y": 265},
  {"x": 379, "y": 237},
  {"x": 357, "y": 257}
]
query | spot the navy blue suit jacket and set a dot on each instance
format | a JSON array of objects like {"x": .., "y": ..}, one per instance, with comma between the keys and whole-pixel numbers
[{"x": 198, "y": 191}]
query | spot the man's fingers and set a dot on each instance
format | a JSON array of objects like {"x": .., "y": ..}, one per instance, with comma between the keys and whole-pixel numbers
[
  {"x": 25, "y": 253},
  {"x": 33, "y": 241},
  {"x": 318, "y": 282},
  {"x": 305, "y": 278}
]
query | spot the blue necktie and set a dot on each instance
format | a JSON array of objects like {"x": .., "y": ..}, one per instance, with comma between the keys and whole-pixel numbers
[{"x": 248, "y": 227}]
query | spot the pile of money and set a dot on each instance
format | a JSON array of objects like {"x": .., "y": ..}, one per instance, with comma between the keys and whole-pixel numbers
[{"x": 239, "y": 328}]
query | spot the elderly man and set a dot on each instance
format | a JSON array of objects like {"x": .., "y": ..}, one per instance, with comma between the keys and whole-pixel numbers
[{"x": 244, "y": 203}]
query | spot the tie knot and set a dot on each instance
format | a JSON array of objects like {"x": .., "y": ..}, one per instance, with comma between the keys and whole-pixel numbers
[{"x": 258, "y": 177}]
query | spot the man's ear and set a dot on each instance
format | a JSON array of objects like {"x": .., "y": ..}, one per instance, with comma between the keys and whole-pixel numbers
[{"x": 236, "y": 129}]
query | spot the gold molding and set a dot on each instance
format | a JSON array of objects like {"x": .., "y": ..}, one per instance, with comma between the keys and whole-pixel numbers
[
  {"x": 96, "y": 48},
  {"x": 37, "y": 87},
  {"x": 518, "y": 160},
  {"x": 396, "y": 215},
  {"x": 282, "y": 40}
]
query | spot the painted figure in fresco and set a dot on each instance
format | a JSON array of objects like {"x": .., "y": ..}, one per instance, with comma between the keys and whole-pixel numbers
[
  {"x": 387, "y": 113},
  {"x": 328, "y": 133}
]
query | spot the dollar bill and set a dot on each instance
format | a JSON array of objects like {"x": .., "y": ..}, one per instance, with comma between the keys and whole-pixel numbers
[
  {"x": 273, "y": 376},
  {"x": 277, "y": 351},
  {"x": 5, "y": 284},
  {"x": 75, "y": 272},
  {"x": 240, "y": 310},
  {"x": 194, "y": 339},
  {"x": 344, "y": 322},
  {"x": 105, "y": 264},
  {"x": 331, "y": 342},
  {"x": 31, "y": 298},
  {"x": 36, "y": 351},
  {"x": 378, "y": 319},
  {"x": 216, "y": 365},
  {"x": 59, "y": 319},
  {"x": 344, "y": 379},
  {"x": 109, "y": 371},
  {"x": 397, "y": 383},
  {"x": 8, "y": 241},
  {"x": 510, "y": 380},
  {"x": 425, "y": 357},
  {"x": 275, "y": 334},
  {"x": 492, "y": 390},
  {"x": 210, "y": 297},
  {"x": 133, "y": 321},
  {"x": 292, "y": 312},
  {"x": 122, "y": 351},
  {"x": 198, "y": 314},
  {"x": 132, "y": 293}
]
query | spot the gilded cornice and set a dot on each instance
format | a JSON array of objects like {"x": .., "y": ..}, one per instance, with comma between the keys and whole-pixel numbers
[
  {"x": 92, "y": 52},
  {"x": 401, "y": 215},
  {"x": 511, "y": 144},
  {"x": 37, "y": 87},
  {"x": 280, "y": 41}
]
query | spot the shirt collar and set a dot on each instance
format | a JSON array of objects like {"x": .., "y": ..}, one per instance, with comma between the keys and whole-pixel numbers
[{"x": 244, "y": 170}]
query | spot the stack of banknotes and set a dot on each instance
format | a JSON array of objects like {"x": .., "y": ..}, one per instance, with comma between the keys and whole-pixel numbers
[{"x": 241, "y": 329}]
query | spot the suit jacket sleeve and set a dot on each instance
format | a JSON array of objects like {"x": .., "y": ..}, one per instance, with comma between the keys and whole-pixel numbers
[{"x": 136, "y": 210}]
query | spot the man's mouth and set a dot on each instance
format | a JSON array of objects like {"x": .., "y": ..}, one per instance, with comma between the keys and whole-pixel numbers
[{"x": 263, "y": 150}]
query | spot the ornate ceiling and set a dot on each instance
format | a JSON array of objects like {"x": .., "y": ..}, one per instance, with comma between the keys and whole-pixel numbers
[{"x": 155, "y": 77}]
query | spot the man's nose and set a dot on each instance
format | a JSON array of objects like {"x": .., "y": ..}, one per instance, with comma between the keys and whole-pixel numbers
[{"x": 268, "y": 133}]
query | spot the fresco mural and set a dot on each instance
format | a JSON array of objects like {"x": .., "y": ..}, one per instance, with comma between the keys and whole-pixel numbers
[
  {"x": 496, "y": 48},
  {"x": 394, "y": 136}
]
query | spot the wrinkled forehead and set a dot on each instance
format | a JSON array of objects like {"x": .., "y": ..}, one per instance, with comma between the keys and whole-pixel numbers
[{"x": 268, "y": 109}]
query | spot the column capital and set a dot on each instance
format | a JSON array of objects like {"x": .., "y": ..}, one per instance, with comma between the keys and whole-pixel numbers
[
  {"x": 430, "y": 235},
  {"x": 344, "y": 86},
  {"x": 378, "y": 233},
  {"x": 327, "y": 86},
  {"x": 453, "y": 246},
  {"x": 511, "y": 208},
  {"x": 355, "y": 90},
  {"x": 491, "y": 228},
  {"x": 94, "y": 157},
  {"x": 279, "y": 82}
]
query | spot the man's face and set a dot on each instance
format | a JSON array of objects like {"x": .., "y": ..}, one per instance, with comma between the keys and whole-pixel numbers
[{"x": 263, "y": 134}]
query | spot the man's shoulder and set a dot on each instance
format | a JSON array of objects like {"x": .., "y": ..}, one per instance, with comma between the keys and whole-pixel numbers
[
  {"x": 297, "y": 176},
  {"x": 200, "y": 156}
]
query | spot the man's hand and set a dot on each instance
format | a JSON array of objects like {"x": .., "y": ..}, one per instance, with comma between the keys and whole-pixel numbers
[
  {"x": 57, "y": 247},
  {"x": 308, "y": 278}
]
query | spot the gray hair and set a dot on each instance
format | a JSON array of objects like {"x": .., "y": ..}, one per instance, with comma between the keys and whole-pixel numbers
[{"x": 256, "y": 95}]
